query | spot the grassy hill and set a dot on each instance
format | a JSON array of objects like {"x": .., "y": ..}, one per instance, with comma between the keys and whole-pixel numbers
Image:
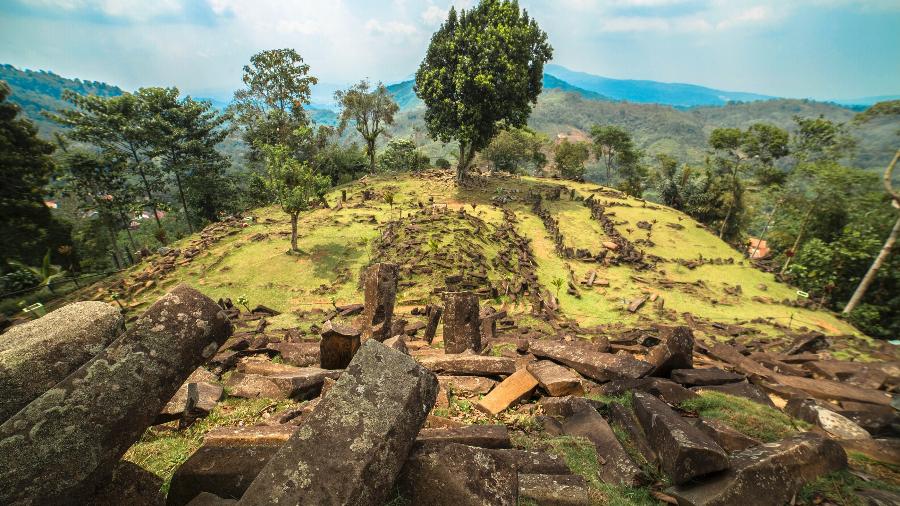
[{"x": 686, "y": 272}]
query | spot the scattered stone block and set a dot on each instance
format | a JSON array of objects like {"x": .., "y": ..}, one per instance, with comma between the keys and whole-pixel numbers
[
  {"x": 298, "y": 354},
  {"x": 516, "y": 387},
  {"x": 675, "y": 351},
  {"x": 471, "y": 385},
  {"x": 482, "y": 436},
  {"x": 380, "y": 294},
  {"x": 38, "y": 354},
  {"x": 534, "y": 462},
  {"x": 341, "y": 454},
  {"x": 617, "y": 467},
  {"x": 767, "y": 474},
  {"x": 132, "y": 485},
  {"x": 664, "y": 389},
  {"x": 593, "y": 364},
  {"x": 624, "y": 417},
  {"x": 684, "y": 451},
  {"x": 339, "y": 344},
  {"x": 558, "y": 490},
  {"x": 225, "y": 470},
  {"x": 743, "y": 364},
  {"x": 725, "y": 436},
  {"x": 462, "y": 329},
  {"x": 273, "y": 435},
  {"x": 397, "y": 343},
  {"x": 833, "y": 423},
  {"x": 704, "y": 377},
  {"x": 556, "y": 379},
  {"x": 304, "y": 384},
  {"x": 827, "y": 389},
  {"x": 434, "y": 317},
  {"x": 209, "y": 394},
  {"x": 465, "y": 363},
  {"x": 86, "y": 422},
  {"x": 741, "y": 389}
]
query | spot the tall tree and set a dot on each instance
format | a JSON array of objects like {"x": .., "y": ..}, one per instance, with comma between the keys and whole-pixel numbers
[
  {"x": 820, "y": 139},
  {"x": 371, "y": 110},
  {"x": 293, "y": 183},
  {"x": 569, "y": 158},
  {"x": 482, "y": 72},
  {"x": 271, "y": 106},
  {"x": 614, "y": 146}
]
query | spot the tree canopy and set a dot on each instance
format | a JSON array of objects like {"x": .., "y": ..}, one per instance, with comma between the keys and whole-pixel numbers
[{"x": 371, "y": 110}]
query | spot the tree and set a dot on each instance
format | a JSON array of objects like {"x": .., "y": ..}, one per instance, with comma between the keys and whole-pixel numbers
[
  {"x": 614, "y": 146},
  {"x": 569, "y": 158},
  {"x": 27, "y": 229},
  {"x": 401, "y": 155},
  {"x": 516, "y": 150},
  {"x": 270, "y": 107},
  {"x": 293, "y": 183},
  {"x": 482, "y": 72},
  {"x": 341, "y": 163},
  {"x": 371, "y": 111},
  {"x": 669, "y": 184},
  {"x": 820, "y": 139},
  {"x": 633, "y": 174}
]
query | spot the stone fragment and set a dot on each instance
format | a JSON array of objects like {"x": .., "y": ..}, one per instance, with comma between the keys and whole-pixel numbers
[
  {"x": 684, "y": 451},
  {"x": 616, "y": 467},
  {"x": 225, "y": 470},
  {"x": 807, "y": 343},
  {"x": 471, "y": 385},
  {"x": 566, "y": 406},
  {"x": 298, "y": 354},
  {"x": 743, "y": 364},
  {"x": 623, "y": 417},
  {"x": 767, "y": 474},
  {"x": 827, "y": 389},
  {"x": 248, "y": 436},
  {"x": 725, "y": 436},
  {"x": 675, "y": 351},
  {"x": 664, "y": 389},
  {"x": 397, "y": 343},
  {"x": 458, "y": 475},
  {"x": 556, "y": 379},
  {"x": 833, "y": 423},
  {"x": 38, "y": 354},
  {"x": 380, "y": 294},
  {"x": 209, "y": 394},
  {"x": 339, "y": 344},
  {"x": 556, "y": 490},
  {"x": 482, "y": 436},
  {"x": 534, "y": 462},
  {"x": 461, "y": 323},
  {"x": 876, "y": 419},
  {"x": 352, "y": 446},
  {"x": 518, "y": 386},
  {"x": 704, "y": 377},
  {"x": 595, "y": 365},
  {"x": 302, "y": 385},
  {"x": 740, "y": 389},
  {"x": 434, "y": 317},
  {"x": 465, "y": 363},
  {"x": 86, "y": 422}
]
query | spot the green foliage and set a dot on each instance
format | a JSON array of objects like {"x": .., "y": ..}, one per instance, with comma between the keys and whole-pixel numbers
[
  {"x": 18, "y": 279},
  {"x": 293, "y": 184},
  {"x": 401, "y": 155},
  {"x": 442, "y": 163},
  {"x": 516, "y": 150},
  {"x": 371, "y": 111},
  {"x": 340, "y": 163},
  {"x": 747, "y": 417},
  {"x": 821, "y": 140},
  {"x": 45, "y": 274},
  {"x": 840, "y": 488},
  {"x": 569, "y": 158},
  {"x": 483, "y": 69},
  {"x": 615, "y": 147}
]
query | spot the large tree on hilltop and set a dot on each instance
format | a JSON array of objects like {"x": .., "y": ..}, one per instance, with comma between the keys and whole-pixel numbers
[
  {"x": 371, "y": 111},
  {"x": 482, "y": 73}
]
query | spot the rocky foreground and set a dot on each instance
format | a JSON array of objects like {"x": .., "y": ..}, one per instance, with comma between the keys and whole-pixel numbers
[{"x": 381, "y": 422}]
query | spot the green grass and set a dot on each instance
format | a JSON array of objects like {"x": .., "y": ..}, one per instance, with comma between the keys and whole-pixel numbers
[
  {"x": 747, "y": 417},
  {"x": 840, "y": 487}
]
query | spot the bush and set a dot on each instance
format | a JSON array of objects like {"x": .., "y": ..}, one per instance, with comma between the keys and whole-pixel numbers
[
  {"x": 16, "y": 280},
  {"x": 401, "y": 155},
  {"x": 442, "y": 163}
]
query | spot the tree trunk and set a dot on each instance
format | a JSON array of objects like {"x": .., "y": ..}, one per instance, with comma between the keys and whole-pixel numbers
[
  {"x": 187, "y": 215},
  {"x": 127, "y": 225},
  {"x": 465, "y": 159},
  {"x": 113, "y": 243},
  {"x": 294, "y": 231},
  {"x": 765, "y": 229},
  {"x": 725, "y": 221},
  {"x": 371, "y": 146},
  {"x": 137, "y": 161},
  {"x": 797, "y": 241}
]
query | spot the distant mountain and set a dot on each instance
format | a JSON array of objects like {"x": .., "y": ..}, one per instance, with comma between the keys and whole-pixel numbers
[
  {"x": 651, "y": 92},
  {"x": 865, "y": 102}
]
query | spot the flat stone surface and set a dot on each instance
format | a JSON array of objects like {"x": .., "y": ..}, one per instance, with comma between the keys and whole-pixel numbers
[
  {"x": 827, "y": 389},
  {"x": 303, "y": 384},
  {"x": 882, "y": 449},
  {"x": 297, "y": 354},
  {"x": 86, "y": 422},
  {"x": 684, "y": 451},
  {"x": 458, "y": 475},
  {"x": 616, "y": 468},
  {"x": 273, "y": 435},
  {"x": 876, "y": 419},
  {"x": 518, "y": 386},
  {"x": 223, "y": 470},
  {"x": 471, "y": 364},
  {"x": 467, "y": 384},
  {"x": 482, "y": 436},
  {"x": 557, "y": 490},
  {"x": 767, "y": 474},
  {"x": 675, "y": 350},
  {"x": 743, "y": 364},
  {"x": 352, "y": 446},
  {"x": 593, "y": 364},
  {"x": 835, "y": 424},
  {"x": 38, "y": 354},
  {"x": 729, "y": 439},
  {"x": 338, "y": 345},
  {"x": 555, "y": 379},
  {"x": 666, "y": 390},
  {"x": 534, "y": 462},
  {"x": 704, "y": 377},
  {"x": 566, "y": 406},
  {"x": 740, "y": 389}
]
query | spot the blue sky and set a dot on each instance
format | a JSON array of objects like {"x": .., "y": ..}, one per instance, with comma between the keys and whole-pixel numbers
[{"x": 797, "y": 48}]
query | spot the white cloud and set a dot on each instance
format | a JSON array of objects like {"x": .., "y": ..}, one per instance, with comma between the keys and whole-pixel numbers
[
  {"x": 434, "y": 15},
  {"x": 395, "y": 28},
  {"x": 757, "y": 14},
  {"x": 134, "y": 10}
]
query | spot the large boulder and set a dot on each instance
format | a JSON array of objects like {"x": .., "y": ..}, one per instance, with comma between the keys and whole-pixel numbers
[
  {"x": 684, "y": 451},
  {"x": 36, "y": 355},
  {"x": 588, "y": 362},
  {"x": 767, "y": 474},
  {"x": 352, "y": 446},
  {"x": 69, "y": 439}
]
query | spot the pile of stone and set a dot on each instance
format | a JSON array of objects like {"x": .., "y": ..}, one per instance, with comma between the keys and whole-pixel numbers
[{"x": 622, "y": 250}]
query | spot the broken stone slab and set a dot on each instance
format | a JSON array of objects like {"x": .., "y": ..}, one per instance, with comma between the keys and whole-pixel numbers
[
  {"x": 249, "y": 436},
  {"x": 352, "y": 446},
  {"x": 664, "y": 389},
  {"x": 38, "y": 354},
  {"x": 557, "y": 490},
  {"x": 684, "y": 451},
  {"x": 833, "y": 423},
  {"x": 515, "y": 388},
  {"x": 807, "y": 343},
  {"x": 86, "y": 422},
  {"x": 397, "y": 343},
  {"x": 462, "y": 329},
  {"x": 885, "y": 450},
  {"x": 434, "y": 317},
  {"x": 534, "y": 462},
  {"x": 827, "y": 389},
  {"x": 472, "y": 385},
  {"x": 482, "y": 436},
  {"x": 209, "y": 394},
  {"x": 743, "y": 364},
  {"x": 456, "y": 475},
  {"x": 740, "y": 389},
  {"x": 339, "y": 344},
  {"x": 555, "y": 379},
  {"x": 469, "y": 364},
  {"x": 725, "y": 436},
  {"x": 616, "y": 468},
  {"x": 623, "y": 417},
  {"x": 380, "y": 294},
  {"x": 767, "y": 474},
  {"x": 567, "y": 406},
  {"x": 298, "y": 354},
  {"x": 301, "y": 385},
  {"x": 704, "y": 377},
  {"x": 595, "y": 365},
  {"x": 220, "y": 469},
  {"x": 876, "y": 419},
  {"x": 675, "y": 351},
  {"x": 266, "y": 367}
]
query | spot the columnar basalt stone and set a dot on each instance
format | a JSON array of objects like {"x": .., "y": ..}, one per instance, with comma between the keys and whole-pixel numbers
[
  {"x": 65, "y": 442},
  {"x": 556, "y": 379},
  {"x": 434, "y": 317},
  {"x": 593, "y": 364},
  {"x": 684, "y": 451},
  {"x": 339, "y": 344},
  {"x": 381, "y": 292},
  {"x": 36, "y": 355},
  {"x": 482, "y": 436},
  {"x": 462, "y": 327},
  {"x": 617, "y": 467},
  {"x": 767, "y": 474},
  {"x": 676, "y": 351},
  {"x": 224, "y": 470},
  {"x": 352, "y": 446}
]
